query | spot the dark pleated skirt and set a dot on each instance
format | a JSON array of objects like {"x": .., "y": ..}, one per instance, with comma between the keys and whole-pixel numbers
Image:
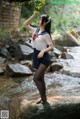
[{"x": 46, "y": 60}]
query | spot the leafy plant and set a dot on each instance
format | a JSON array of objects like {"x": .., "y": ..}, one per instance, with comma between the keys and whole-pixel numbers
[{"x": 3, "y": 34}]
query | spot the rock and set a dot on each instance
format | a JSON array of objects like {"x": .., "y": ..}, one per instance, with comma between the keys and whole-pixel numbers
[
  {"x": 17, "y": 70},
  {"x": 24, "y": 52},
  {"x": 65, "y": 55},
  {"x": 1, "y": 72},
  {"x": 29, "y": 43},
  {"x": 67, "y": 40},
  {"x": 72, "y": 72},
  {"x": 78, "y": 31},
  {"x": 57, "y": 52},
  {"x": 56, "y": 67},
  {"x": 54, "y": 109},
  {"x": 28, "y": 63},
  {"x": 25, "y": 62},
  {"x": 70, "y": 40},
  {"x": 4, "y": 103},
  {"x": 62, "y": 49},
  {"x": 14, "y": 109},
  {"x": 4, "y": 52},
  {"x": 7, "y": 42},
  {"x": 48, "y": 69},
  {"x": 74, "y": 33},
  {"x": 2, "y": 60},
  {"x": 11, "y": 50}
]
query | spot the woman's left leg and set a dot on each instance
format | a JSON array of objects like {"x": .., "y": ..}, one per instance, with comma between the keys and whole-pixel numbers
[{"x": 40, "y": 83}]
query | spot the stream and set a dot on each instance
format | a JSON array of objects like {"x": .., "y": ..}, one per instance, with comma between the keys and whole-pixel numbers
[{"x": 65, "y": 83}]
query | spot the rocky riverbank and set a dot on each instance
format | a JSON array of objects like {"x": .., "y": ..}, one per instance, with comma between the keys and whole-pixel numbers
[{"x": 18, "y": 93}]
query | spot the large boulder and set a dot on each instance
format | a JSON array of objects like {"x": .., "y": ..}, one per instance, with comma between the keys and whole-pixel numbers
[
  {"x": 17, "y": 70},
  {"x": 67, "y": 40},
  {"x": 23, "y": 52}
]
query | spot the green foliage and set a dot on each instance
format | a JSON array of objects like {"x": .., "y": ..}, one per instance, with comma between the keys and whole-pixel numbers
[
  {"x": 3, "y": 34},
  {"x": 64, "y": 16},
  {"x": 38, "y": 4}
]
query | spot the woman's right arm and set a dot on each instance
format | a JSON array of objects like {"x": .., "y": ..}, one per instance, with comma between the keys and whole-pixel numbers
[{"x": 27, "y": 23}]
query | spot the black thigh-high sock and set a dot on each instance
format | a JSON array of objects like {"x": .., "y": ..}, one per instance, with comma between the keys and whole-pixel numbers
[{"x": 40, "y": 83}]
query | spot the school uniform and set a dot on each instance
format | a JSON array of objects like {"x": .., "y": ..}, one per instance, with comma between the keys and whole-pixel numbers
[{"x": 40, "y": 42}]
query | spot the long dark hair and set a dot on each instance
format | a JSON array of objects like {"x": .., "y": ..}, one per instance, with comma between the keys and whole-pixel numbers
[{"x": 45, "y": 18}]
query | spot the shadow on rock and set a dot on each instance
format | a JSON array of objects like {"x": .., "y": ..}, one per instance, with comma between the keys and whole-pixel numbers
[{"x": 68, "y": 111}]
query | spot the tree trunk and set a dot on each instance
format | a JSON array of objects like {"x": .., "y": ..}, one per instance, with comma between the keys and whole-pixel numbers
[{"x": 9, "y": 15}]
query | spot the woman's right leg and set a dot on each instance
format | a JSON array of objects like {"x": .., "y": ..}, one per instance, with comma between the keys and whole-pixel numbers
[{"x": 39, "y": 81}]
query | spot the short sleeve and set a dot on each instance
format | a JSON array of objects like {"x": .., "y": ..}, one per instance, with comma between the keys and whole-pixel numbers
[{"x": 48, "y": 39}]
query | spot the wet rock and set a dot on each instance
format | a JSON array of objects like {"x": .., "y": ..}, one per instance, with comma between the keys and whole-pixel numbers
[
  {"x": 2, "y": 60},
  {"x": 24, "y": 52},
  {"x": 4, "y": 52},
  {"x": 65, "y": 55},
  {"x": 57, "y": 52},
  {"x": 53, "y": 59},
  {"x": 17, "y": 70},
  {"x": 71, "y": 72},
  {"x": 1, "y": 72},
  {"x": 55, "y": 67}
]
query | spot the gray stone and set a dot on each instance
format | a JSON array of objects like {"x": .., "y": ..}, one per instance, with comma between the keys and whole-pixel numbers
[
  {"x": 4, "y": 52},
  {"x": 2, "y": 60},
  {"x": 57, "y": 52},
  {"x": 17, "y": 70},
  {"x": 56, "y": 66},
  {"x": 1, "y": 72},
  {"x": 67, "y": 40},
  {"x": 24, "y": 52},
  {"x": 78, "y": 31},
  {"x": 65, "y": 55}
]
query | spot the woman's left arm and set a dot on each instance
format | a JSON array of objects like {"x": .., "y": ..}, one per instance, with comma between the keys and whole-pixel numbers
[{"x": 49, "y": 48}]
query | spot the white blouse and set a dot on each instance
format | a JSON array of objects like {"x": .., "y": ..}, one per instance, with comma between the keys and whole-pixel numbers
[{"x": 42, "y": 41}]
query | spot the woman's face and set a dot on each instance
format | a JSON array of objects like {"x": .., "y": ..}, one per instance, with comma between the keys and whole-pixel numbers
[{"x": 39, "y": 21}]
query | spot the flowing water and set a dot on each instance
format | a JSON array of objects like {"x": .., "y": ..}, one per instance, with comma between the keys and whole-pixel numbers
[{"x": 58, "y": 84}]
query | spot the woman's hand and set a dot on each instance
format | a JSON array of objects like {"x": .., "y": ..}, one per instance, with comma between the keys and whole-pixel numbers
[
  {"x": 35, "y": 13},
  {"x": 40, "y": 55}
]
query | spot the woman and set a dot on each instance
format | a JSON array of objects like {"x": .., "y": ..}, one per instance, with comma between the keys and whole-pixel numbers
[{"x": 42, "y": 44}]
